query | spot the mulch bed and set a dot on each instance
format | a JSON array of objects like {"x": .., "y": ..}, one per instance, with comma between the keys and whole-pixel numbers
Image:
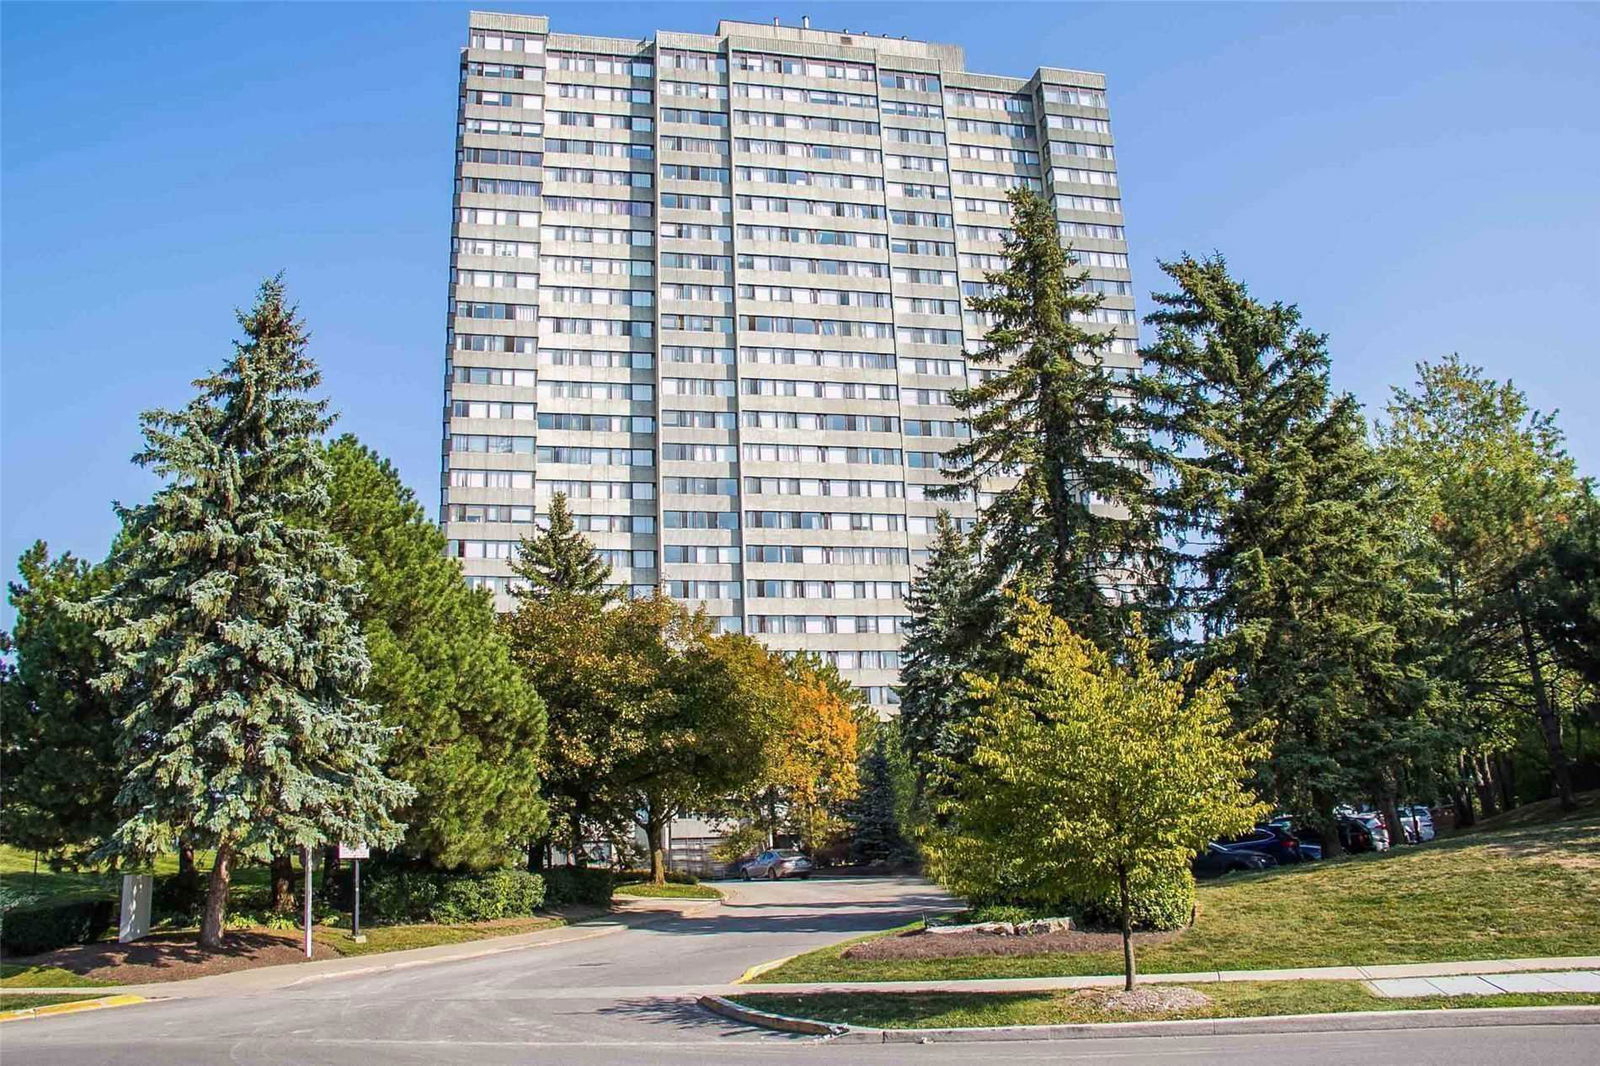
[
  {"x": 919, "y": 945},
  {"x": 1150, "y": 999},
  {"x": 176, "y": 956}
]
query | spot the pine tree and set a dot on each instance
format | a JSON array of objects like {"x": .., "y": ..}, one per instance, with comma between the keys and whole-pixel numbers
[
  {"x": 559, "y": 558},
  {"x": 1059, "y": 435},
  {"x": 58, "y": 733},
  {"x": 1295, "y": 569},
  {"x": 236, "y": 653},
  {"x": 948, "y": 633},
  {"x": 468, "y": 728},
  {"x": 875, "y": 831}
]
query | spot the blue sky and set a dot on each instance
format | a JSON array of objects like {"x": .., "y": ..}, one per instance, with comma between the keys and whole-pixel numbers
[{"x": 1420, "y": 179}]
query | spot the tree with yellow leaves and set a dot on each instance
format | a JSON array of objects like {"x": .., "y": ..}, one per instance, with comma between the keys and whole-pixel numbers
[{"x": 1089, "y": 774}]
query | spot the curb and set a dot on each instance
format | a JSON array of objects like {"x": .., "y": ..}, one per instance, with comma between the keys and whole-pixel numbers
[
  {"x": 760, "y": 968},
  {"x": 1350, "y": 1021},
  {"x": 70, "y": 1008},
  {"x": 779, "y": 1022}
]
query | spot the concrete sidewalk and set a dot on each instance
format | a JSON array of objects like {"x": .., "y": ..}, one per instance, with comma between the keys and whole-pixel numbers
[
  {"x": 1487, "y": 985},
  {"x": 1314, "y": 973},
  {"x": 627, "y": 914}
]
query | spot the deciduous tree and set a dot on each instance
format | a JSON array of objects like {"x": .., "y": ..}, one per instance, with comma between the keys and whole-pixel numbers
[{"x": 1089, "y": 773}]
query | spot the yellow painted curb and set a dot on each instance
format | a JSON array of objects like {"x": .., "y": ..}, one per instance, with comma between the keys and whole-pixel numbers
[
  {"x": 70, "y": 1008},
  {"x": 760, "y": 968}
]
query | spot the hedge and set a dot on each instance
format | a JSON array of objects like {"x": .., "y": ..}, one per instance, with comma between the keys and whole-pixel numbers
[
  {"x": 674, "y": 877},
  {"x": 445, "y": 898},
  {"x": 566, "y": 885},
  {"x": 39, "y": 928}
]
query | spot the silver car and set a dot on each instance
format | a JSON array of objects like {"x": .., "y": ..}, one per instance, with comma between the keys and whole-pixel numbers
[{"x": 777, "y": 863}]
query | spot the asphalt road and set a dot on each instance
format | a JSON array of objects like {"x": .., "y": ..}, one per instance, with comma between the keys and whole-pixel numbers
[{"x": 612, "y": 999}]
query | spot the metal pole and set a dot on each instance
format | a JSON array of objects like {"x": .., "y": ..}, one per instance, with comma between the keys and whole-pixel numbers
[
  {"x": 355, "y": 923},
  {"x": 307, "y": 864}
]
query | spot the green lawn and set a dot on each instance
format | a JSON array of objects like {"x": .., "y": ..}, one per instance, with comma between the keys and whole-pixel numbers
[
  {"x": 21, "y": 975},
  {"x": 647, "y": 891},
  {"x": 1529, "y": 887},
  {"x": 381, "y": 938},
  {"x": 21, "y": 1001},
  {"x": 1228, "y": 1000}
]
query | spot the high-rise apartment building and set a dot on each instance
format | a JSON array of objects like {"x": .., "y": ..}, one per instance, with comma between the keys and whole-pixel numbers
[{"x": 711, "y": 287}]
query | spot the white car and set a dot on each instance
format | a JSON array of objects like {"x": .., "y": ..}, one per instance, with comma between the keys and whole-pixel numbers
[{"x": 1418, "y": 824}]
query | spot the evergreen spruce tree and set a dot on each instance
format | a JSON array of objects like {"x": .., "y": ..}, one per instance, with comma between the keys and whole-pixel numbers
[
  {"x": 1062, "y": 432},
  {"x": 468, "y": 729},
  {"x": 58, "y": 733},
  {"x": 875, "y": 831},
  {"x": 1296, "y": 564},
  {"x": 237, "y": 656},
  {"x": 948, "y": 633},
  {"x": 559, "y": 558}
]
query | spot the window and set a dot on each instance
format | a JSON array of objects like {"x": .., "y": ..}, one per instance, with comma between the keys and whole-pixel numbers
[
  {"x": 692, "y": 61},
  {"x": 491, "y": 479},
  {"x": 929, "y": 427},
  {"x": 592, "y": 120},
  {"x": 802, "y": 486},
  {"x": 821, "y": 390},
  {"x": 922, "y": 83},
  {"x": 594, "y": 390},
  {"x": 991, "y": 154},
  {"x": 927, "y": 164},
  {"x": 493, "y": 342},
  {"x": 1059, "y": 94},
  {"x": 695, "y": 261},
  {"x": 816, "y": 453},
  {"x": 485, "y": 216},
  {"x": 910, "y": 136},
  {"x": 595, "y": 490},
  {"x": 701, "y": 486},
  {"x": 692, "y": 353},
  {"x": 1078, "y": 122},
  {"x": 564, "y": 146},
  {"x": 489, "y": 512},
  {"x": 815, "y": 123},
  {"x": 1103, "y": 204},
  {"x": 983, "y": 101},
  {"x": 917, "y": 246},
  {"x": 694, "y": 145},
  {"x": 781, "y": 205},
  {"x": 584, "y": 357},
  {"x": 696, "y": 387},
  {"x": 857, "y": 521},
  {"x": 638, "y": 238},
  {"x": 922, "y": 276},
  {"x": 810, "y": 420},
  {"x": 596, "y": 327},
  {"x": 996, "y": 181},
  {"x": 698, "y": 453},
  {"x": 500, "y": 127},
  {"x": 693, "y": 116},
  {"x": 825, "y": 555},
  {"x": 931, "y": 219},
  {"x": 584, "y": 206},
  {"x": 699, "y": 519},
  {"x": 914, "y": 191},
  {"x": 501, "y": 157},
  {"x": 1097, "y": 230},
  {"x": 912, "y": 109},
  {"x": 494, "y": 375},
  {"x": 697, "y": 419},
  {"x": 637, "y": 179},
  {"x": 697, "y": 323},
  {"x": 808, "y": 178},
  {"x": 601, "y": 64},
  {"x": 504, "y": 312},
  {"x": 826, "y": 327},
  {"x": 705, "y": 293},
  {"x": 701, "y": 553},
  {"x": 492, "y": 444},
  {"x": 795, "y": 95},
  {"x": 694, "y": 172},
  {"x": 522, "y": 101},
  {"x": 692, "y": 202},
  {"x": 834, "y": 238},
  {"x": 814, "y": 68},
  {"x": 822, "y": 297},
  {"x": 1078, "y": 148},
  {"x": 599, "y": 297},
  {"x": 703, "y": 590},
  {"x": 693, "y": 90},
  {"x": 757, "y": 146},
  {"x": 568, "y": 91},
  {"x": 994, "y": 129},
  {"x": 505, "y": 41},
  {"x": 696, "y": 231},
  {"x": 597, "y": 423},
  {"x": 583, "y": 456},
  {"x": 782, "y": 264},
  {"x": 621, "y": 268},
  {"x": 496, "y": 279}
]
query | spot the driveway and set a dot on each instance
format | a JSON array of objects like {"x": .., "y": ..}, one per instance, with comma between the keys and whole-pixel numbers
[{"x": 621, "y": 999}]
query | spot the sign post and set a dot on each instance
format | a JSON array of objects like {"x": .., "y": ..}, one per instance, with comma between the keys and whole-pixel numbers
[
  {"x": 355, "y": 853},
  {"x": 306, "y": 862}
]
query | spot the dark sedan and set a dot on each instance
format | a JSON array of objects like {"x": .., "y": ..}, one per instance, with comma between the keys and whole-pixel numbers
[{"x": 1216, "y": 861}]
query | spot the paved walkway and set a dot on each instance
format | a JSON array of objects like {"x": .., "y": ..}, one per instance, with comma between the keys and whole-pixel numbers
[
  {"x": 1487, "y": 985},
  {"x": 1400, "y": 971}
]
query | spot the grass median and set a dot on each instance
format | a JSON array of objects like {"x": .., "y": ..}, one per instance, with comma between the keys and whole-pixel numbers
[
  {"x": 23, "y": 1001},
  {"x": 1528, "y": 888},
  {"x": 1241, "y": 999},
  {"x": 669, "y": 891}
]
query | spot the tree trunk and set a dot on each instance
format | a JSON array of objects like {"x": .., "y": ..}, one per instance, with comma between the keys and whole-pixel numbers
[
  {"x": 1549, "y": 723},
  {"x": 1465, "y": 816},
  {"x": 1505, "y": 775},
  {"x": 538, "y": 855},
  {"x": 1327, "y": 824},
  {"x": 1390, "y": 808},
  {"x": 188, "y": 873},
  {"x": 655, "y": 831},
  {"x": 214, "y": 917},
  {"x": 1126, "y": 910},
  {"x": 575, "y": 839},
  {"x": 281, "y": 899},
  {"x": 1483, "y": 781}
]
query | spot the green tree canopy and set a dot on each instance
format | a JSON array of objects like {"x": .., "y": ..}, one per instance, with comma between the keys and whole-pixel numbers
[
  {"x": 468, "y": 730},
  {"x": 560, "y": 559},
  {"x": 1089, "y": 774},
  {"x": 58, "y": 733},
  {"x": 236, "y": 653},
  {"x": 1059, "y": 436}
]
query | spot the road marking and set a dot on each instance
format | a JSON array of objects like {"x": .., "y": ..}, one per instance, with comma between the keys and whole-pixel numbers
[{"x": 69, "y": 1008}]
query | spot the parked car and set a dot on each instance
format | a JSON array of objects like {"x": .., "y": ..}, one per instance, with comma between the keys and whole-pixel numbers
[
  {"x": 776, "y": 863},
  {"x": 1282, "y": 845},
  {"x": 1217, "y": 860},
  {"x": 1363, "y": 832},
  {"x": 1417, "y": 821}
]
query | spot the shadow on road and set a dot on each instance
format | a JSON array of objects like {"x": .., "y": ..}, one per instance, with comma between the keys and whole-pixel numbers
[{"x": 679, "y": 1015}]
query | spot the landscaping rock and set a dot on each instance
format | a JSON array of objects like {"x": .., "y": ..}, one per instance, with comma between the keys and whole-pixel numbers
[{"x": 1035, "y": 927}]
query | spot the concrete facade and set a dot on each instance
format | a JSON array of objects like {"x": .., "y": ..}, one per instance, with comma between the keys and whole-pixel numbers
[{"x": 712, "y": 287}]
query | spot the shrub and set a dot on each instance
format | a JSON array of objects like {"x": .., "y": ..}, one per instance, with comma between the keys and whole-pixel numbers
[
  {"x": 566, "y": 885},
  {"x": 38, "y": 928},
  {"x": 433, "y": 896},
  {"x": 177, "y": 898},
  {"x": 1158, "y": 904},
  {"x": 1008, "y": 912}
]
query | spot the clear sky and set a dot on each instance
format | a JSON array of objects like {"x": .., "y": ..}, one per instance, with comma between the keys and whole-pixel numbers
[{"x": 1419, "y": 179}]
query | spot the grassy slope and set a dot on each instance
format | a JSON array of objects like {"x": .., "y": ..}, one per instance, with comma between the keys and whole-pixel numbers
[
  {"x": 1525, "y": 886},
  {"x": 669, "y": 891},
  {"x": 1230, "y": 1000}
]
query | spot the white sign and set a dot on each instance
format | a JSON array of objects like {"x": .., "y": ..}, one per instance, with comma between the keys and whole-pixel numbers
[
  {"x": 135, "y": 920},
  {"x": 353, "y": 851}
]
